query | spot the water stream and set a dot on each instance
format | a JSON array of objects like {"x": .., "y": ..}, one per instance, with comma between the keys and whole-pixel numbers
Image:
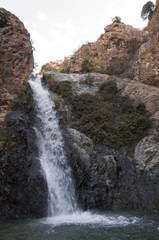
[
  {"x": 65, "y": 220},
  {"x": 51, "y": 154}
]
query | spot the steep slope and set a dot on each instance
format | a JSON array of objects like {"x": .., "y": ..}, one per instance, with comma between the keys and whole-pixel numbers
[
  {"x": 16, "y": 60},
  {"x": 21, "y": 179},
  {"x": 112, "y": 51},
  {"x": 145, "y": 65},
  {"x": 110, "y": 54}
]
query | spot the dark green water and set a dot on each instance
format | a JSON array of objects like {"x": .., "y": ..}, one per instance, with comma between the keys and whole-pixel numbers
[{"x": 79, "y": 226}]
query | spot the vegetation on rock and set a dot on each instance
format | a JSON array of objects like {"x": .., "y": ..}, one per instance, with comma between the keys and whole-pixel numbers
[
  {"x": 88, "y": 66},
  {"x": 147, "y": 10},
  {"x": 106, "y": 117}
]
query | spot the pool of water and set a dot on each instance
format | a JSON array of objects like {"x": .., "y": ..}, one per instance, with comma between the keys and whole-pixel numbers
[{"x": 86, "y": 225}]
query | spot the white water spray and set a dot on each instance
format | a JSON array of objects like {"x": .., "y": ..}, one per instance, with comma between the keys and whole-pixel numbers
[{"x": 51, "y": 154}]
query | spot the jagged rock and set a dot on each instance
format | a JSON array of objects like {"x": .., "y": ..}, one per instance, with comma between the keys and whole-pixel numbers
[
  {"x": 145, "y": 64},
  {"x": 140, "y": 92},
  {"x": 108, "y": 178},
  {"x": 16, "y": 54},
  {"x": 16, "y": 59},
  {"x": 104, "y": 176},
  {"x": 111, "y": 53},
  {"x": 23, "y": 189},
  {"x": 147, "y": 166}
]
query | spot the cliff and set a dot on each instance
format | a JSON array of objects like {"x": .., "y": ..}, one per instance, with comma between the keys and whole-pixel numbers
[
  {"x": 112, "y": 51},
  {"x": 120, "y": 50},
  {"x": 20, "y": 171},
  {"x": 16, "y": 61},
  {"x": 110, "y": 54},
  {"x": 110, "y": 140},
  {"x": 145, "y": 64}
]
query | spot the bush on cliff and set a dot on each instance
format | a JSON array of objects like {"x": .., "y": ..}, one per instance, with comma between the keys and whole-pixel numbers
[
  {"x": 88, "y": 66},
  {"x": 147, "y": 10},
  {"x": 106, "y": 117}
]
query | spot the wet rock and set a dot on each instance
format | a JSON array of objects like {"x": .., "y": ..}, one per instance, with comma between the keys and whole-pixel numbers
[
  {"x": 23, "y": 189},
  {"x": 147, "y": 165}
]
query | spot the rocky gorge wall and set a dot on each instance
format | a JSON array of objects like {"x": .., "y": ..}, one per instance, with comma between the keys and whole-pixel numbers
[
  {"x": 16, "y": 61},
  {"x": 145, "y": 64},
  {"x": 23, "y": 190},
  {"x": 109, "y": 176}
]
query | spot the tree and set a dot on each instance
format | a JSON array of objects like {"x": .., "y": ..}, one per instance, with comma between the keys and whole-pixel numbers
[
  {"x": 116, "y": 19},
  {"x": 147, "y": 10}
]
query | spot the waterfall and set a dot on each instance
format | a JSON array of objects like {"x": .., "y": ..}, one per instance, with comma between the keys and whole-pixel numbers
[{"x": 56, "y": 170}]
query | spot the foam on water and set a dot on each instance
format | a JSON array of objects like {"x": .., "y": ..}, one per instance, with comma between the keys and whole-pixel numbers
[{"x": 88, "y": 218}]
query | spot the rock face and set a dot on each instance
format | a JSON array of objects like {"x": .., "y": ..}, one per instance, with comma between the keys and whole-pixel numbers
[
  {"x": 16, "y": 55},
  {"x": 23, "y": 189},
  {"x": 107, "y": 178},
  {"x": 145, "y": 64},
  {"x": 112, "y": 51},
  {"x": 16, "y": 61}
]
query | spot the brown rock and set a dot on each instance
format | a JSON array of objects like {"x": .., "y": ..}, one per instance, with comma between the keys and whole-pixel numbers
[
  {"x": 16, "y": 55},
  {"x": 16, "y": 59},
  {"x": 142, "y": 92},
  {"x": 145, "y": 66},
  {"x": 112, "y": 52}
]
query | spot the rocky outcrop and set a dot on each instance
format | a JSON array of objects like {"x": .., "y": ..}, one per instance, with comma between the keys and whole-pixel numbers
[
  {"x": 145, "y": 64},
  {"x": 23, "y": 189},
  {"x": 111, "y": 53},
  {"x": 16, "y": 54},
  {"x": 112, "y": 177},
  {"x": 16, "y": 60},
  {"x": 108, "y": 178}
]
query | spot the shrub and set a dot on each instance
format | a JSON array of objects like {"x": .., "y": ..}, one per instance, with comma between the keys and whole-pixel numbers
[
  {"x": 106, "y": 117},
  {"x": 89, "y": 79},
  {"x": 117, "y": 19},
  {"x": 88, "y": 66},
  {"x": 65, "y": 70},
  {"x": 109, "y": 87},
  {"x": 147, "y": 10},
  {"x": 63, "y": 88},
  {"x": 65, "y": 67}
]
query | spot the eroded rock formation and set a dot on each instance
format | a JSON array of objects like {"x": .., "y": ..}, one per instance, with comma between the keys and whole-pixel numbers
[
  {"x": 16, "y": 54},
  {"x": 112, "y": 51},
  {"x": 145, "y": 64},
  {"x": 16, "y": 60},
  {"x": 20, "y": 170}
]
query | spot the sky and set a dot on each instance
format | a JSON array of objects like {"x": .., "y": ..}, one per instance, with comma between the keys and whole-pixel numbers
[{"x": 59, "y": 27}]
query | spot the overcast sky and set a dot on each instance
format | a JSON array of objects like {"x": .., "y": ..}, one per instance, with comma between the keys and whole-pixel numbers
[{"x": 58, "y": 27}]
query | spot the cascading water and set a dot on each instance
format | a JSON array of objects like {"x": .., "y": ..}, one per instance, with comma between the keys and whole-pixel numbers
[
  {"x": 52, "y": 157},
  {"x": 62, "y": 206},
  {"x": 64, "y": 220}
]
